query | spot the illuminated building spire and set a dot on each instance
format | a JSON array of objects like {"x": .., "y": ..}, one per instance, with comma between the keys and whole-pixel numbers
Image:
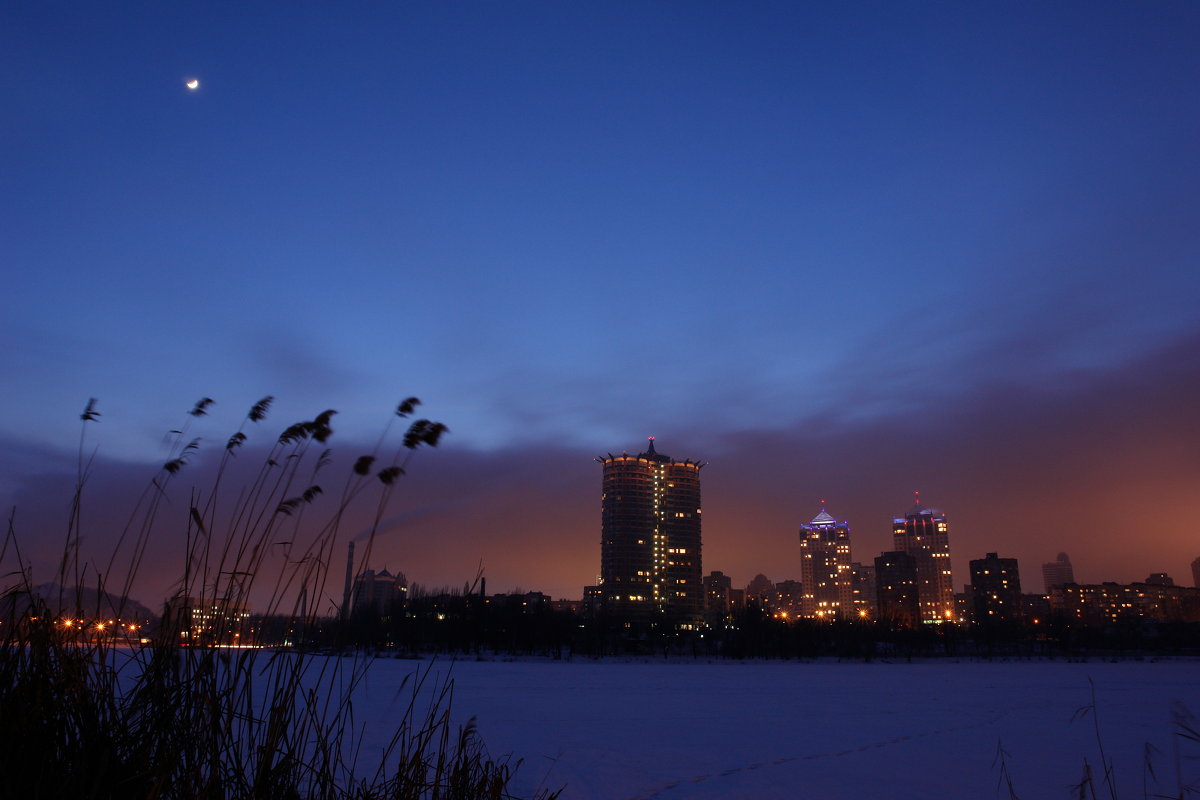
[
  {"x": 824, "y": 518},
  {"x": 650, "y": 451}
]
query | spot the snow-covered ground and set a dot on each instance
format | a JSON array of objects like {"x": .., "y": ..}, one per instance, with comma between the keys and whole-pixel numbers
[{"x": 622, "y": 730}]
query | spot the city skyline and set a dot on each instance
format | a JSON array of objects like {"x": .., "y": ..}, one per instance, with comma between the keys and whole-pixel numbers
[
  {"x": 842, "y": 253},
  {"x": 391, "y": 549}
]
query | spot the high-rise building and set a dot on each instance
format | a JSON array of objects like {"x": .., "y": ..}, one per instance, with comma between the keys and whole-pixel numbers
[
  {"x": 760, "y": 591},
  {"x": 896, "y": 588},
  {"x": 924, "y": 534},
  {"x": 1196, "y": 573},
  {"x": 1058, "y": 572},
  {"x": 717, "y": 587},
  {"x": 825, "y": 570},
  {"x": 788, "y": 600},
  {"x": 737, "y": 601},
  {"x": 862, "y": 588},
  {"x": 650, "y": 538},
  {"x": 995, "y": 590}
]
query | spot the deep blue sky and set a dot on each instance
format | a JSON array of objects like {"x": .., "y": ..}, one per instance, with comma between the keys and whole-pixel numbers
[{"x": 568, "y": 226}]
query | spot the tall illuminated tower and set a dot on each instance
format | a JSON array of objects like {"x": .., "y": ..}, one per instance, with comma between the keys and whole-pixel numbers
[
  {"x": 650, "y": 538},
  {"x": 924, "y": 534},
  {"x": 825, "y": 568}
]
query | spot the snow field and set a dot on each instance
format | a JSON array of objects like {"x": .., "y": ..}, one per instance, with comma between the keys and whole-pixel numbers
[{"x": 815, "y": 731}]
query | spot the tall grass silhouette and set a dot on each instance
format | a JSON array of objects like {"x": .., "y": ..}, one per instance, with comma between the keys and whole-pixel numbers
[{"x": 89, "y": 711}]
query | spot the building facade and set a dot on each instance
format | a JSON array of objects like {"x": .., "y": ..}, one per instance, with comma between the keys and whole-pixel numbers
[
  {"x": 760, "y": 591},
  {"x": 650, "y": 565},
  {"x": 208, "y": 621},
  {"x": 717, "y": 607},
  {"x": 788, "y": 601},
  {"x": 995, "y": 590},
  {"x": 1058, "y": 572},
  {"x": 378, "y": 592},
  {"x": 896, "y": 589},
  {"x": 1101, "y": 604},
  {"x": 863, "y": 590},
  {"x": 825, "y": 568},
  {"x": 924, "y": 534}
]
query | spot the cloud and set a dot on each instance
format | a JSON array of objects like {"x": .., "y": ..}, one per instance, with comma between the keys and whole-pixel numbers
[
  {"x": 1101, "y": 463},
  {"x": 291, "y": 359}
]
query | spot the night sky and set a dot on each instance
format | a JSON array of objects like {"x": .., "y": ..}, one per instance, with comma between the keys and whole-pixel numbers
[{"x": 839, "y": 251}]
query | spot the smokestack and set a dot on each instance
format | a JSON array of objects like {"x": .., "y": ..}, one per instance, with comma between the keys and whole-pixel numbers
[
  {"x": 483, "y": 588},
  {"x": 349, "y": 582}
]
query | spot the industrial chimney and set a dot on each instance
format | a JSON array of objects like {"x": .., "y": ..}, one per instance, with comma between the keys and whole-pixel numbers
[{"x": 349, "y": 582}]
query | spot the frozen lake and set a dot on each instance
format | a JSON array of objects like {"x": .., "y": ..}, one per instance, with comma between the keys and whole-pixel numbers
[{"x": 623, "y": 730}]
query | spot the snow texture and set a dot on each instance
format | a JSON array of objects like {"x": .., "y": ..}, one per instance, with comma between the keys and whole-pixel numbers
[{"x": 817, "y": 731}]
